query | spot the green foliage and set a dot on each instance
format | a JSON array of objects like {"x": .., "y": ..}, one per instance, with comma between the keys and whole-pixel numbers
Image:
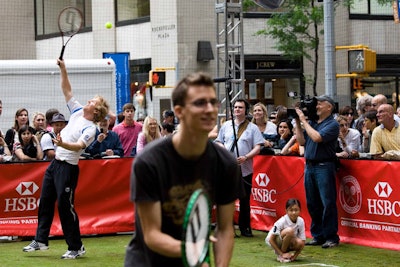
[
  {"x": 298, "y": 30},
  {"x": 292, "y": 30},
  {"x": 247, "y": 3}
]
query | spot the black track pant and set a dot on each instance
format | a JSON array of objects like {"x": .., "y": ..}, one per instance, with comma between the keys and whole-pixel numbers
[
  {"x": 59, "y": 183},
  {"x": 244, "y": 215}
]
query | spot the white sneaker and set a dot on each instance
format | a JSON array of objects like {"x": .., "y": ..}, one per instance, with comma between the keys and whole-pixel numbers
[
  {"x": 73, "y": 254},
  {"x": 34, "y": 245},
  {"x": 282, "y": 259}
]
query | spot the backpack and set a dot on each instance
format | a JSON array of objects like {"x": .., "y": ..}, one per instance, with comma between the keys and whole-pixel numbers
[{"x": 40, "y": 133}]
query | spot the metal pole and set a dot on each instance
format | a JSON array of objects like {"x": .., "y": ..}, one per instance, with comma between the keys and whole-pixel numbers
[{"x": 330, "y": 59}]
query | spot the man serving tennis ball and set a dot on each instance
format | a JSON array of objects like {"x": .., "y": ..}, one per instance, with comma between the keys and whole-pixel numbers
[
  {"x": 61, "y": 176},
  {"x": 169, "y": 170}
]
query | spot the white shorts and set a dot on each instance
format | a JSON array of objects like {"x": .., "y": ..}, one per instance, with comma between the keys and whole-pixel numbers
[{"x": 278, "y": 241}]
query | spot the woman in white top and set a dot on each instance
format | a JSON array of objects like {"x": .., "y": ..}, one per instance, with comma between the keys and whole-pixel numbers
[
  {"x": 349, "y": 138},
  {"x": 267, "y": 128}
]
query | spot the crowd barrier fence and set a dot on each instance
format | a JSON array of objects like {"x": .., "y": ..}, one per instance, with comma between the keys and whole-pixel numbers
[{"x": 368, "y": 197}]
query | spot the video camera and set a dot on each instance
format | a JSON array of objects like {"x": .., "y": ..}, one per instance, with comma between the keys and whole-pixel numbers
[{"x": 307, "y": 104}]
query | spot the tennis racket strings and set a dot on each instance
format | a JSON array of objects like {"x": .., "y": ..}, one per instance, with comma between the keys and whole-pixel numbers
[
  {"x": 196, "y": 229},
  {"x": 70, "y": 21}
]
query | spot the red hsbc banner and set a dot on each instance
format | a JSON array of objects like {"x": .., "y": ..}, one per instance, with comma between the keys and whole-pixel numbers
[
  {"x": 369, "y": 201},
  {"x": 102, "y": 197},
  {"x": 275, "y": 180},
  {"x": 368, "y": 198}
]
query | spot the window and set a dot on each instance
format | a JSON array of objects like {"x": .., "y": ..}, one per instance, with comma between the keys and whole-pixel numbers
[
  {"x": 256, "y": 11},
  {"x": 46, "y": 15},
  {"x": 130, "y": 10},
  {"x": 371, "y": 8}
]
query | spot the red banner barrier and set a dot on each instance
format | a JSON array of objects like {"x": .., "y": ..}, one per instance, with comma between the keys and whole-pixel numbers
[
  {"x": 102, "y": 197},
  {"x": 368, "y": 198},
  {"x": 275, "y": 180}
]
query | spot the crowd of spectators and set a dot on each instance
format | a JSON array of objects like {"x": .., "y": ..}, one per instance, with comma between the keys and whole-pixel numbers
[
  {"x": 121, "y": 135},
  {"x": 115, "y": 136},
  {"x": 357, "y": 127}
]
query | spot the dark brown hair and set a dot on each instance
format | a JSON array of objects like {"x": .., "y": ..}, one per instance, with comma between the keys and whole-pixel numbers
[
  {"x": 194, "y": 79},
  {"x": 291, "y": 202}
]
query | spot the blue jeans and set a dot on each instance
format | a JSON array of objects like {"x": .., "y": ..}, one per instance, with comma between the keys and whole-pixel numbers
[{"x": 320, "y": 186}]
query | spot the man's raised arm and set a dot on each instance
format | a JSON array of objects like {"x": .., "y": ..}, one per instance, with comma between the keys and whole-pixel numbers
[{"x": 65, "y": 84}]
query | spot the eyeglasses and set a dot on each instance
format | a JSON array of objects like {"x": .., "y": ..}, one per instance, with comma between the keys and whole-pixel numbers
[
  {"x": 202, "y": 103},
  {"x": 343, "y": 125},
  {"x": 348, "y": 113}
]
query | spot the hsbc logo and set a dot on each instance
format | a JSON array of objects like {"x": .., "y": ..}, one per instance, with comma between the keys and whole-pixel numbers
[
  {"x": 383, "y": 189},
  {"x": 262, "y": 179},
  {"x": 27, "y": 188},
  {"x": 383, "y": 207},
  {"x": 260, "y": 193},
  {"x": 26, "y": 201}
]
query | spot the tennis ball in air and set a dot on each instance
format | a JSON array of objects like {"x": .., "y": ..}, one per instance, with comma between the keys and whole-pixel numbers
[{"x": 108, "y": 25}]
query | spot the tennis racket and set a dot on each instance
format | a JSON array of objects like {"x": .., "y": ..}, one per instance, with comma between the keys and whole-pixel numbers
[
  {"x": 70, "y": 21},
  {"x": 196, "y": 230}
]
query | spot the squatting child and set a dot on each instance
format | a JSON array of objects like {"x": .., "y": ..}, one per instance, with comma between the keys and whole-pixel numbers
[{"x": 288, "y": 233}]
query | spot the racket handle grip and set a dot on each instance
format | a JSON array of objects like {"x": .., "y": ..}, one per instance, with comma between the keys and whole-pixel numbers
[{"x": 62, "y": 53}]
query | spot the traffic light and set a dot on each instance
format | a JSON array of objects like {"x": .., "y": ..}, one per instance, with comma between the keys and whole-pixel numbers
[
  {"x": 357, "y": 84},
  {"x": 362, "y": 60},
  {"x": 156, "y": 78}
]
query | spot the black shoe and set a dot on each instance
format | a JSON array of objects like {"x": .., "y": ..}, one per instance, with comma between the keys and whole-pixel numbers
[
  {"x": 330, "y": 244},
  {"x": 314, "y": 242},
  {"x": 247, "y": 233}
]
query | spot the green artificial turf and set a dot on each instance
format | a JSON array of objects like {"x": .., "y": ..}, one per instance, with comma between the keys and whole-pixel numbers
[{"x": 110, "y": 251}]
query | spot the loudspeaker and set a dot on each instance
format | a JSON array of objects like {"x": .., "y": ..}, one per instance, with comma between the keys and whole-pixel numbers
[{"x": 204, "y": 51}]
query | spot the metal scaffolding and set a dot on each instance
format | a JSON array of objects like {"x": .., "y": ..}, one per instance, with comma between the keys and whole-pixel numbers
[{"x": 230, "y": 53}]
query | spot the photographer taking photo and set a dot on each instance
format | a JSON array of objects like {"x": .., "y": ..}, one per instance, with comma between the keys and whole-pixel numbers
[{"x": 320, "y": 138}]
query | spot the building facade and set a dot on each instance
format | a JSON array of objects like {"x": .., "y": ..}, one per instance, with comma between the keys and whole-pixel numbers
[{"x": 167, "y": 34}]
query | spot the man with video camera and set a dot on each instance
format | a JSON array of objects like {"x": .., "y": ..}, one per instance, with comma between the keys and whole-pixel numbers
[{"x": 319, "y": 136}]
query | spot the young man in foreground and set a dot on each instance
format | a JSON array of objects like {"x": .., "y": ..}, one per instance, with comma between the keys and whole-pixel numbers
[{"x": 169, "y": 170}]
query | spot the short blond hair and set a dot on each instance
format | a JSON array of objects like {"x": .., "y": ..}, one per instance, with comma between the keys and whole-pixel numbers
[{"x": 102, "y": 108}]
